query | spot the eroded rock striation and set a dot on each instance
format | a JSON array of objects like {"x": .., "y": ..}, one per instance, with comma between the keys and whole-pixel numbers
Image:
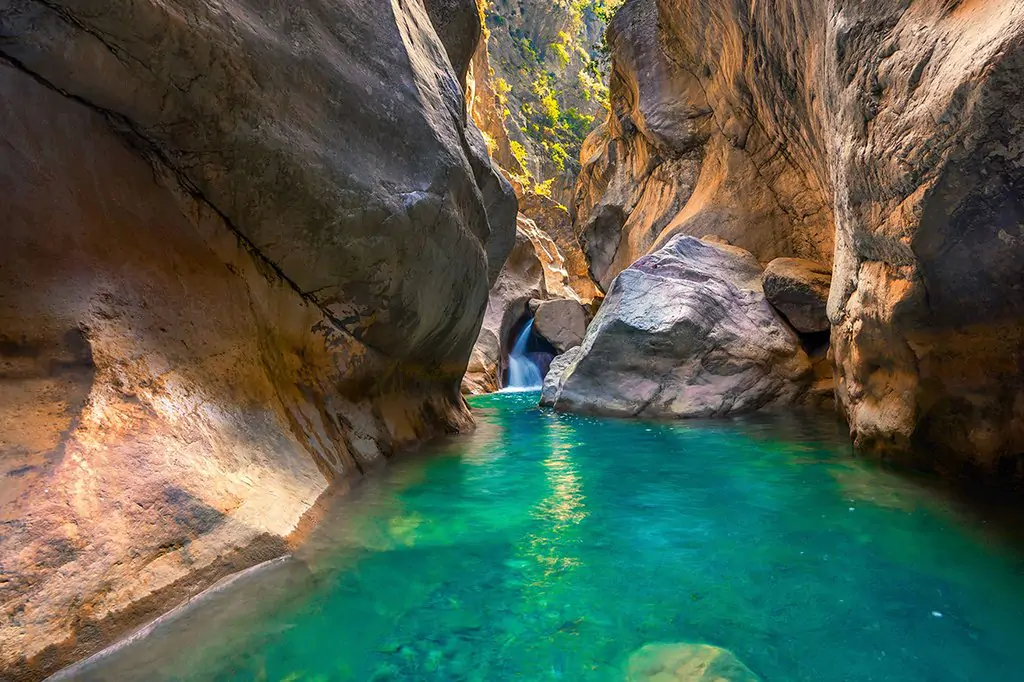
[
  {"x": 684, "y": 332},
  {"x": 247, "y": 251},
  {"x": 880, "y": 137}
]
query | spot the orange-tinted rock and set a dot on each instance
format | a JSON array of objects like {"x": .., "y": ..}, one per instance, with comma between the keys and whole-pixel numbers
[{"x": 222, "y": 287}]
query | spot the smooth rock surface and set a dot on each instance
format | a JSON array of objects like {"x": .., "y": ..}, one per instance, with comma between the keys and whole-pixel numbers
[
  {"x": 798, "y": 289},
  {"x": 686, "y": 663},
  {"x": 555, "y": 378},
  {"x": 686, "y": 332},
  {"x": 246, "y": 254},
  {"x": 561, "y": 322}
]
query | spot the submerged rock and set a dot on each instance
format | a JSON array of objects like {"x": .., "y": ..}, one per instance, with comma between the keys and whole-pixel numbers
[
  {"x": 685, "y": 332},
  {"x": 560, "y": 322},
  {"x": 686, "y": 663},
  {"x": 798, "y": 288}
]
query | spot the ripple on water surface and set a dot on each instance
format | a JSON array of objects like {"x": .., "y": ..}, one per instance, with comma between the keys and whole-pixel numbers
[{"x": 555, "y": 547}]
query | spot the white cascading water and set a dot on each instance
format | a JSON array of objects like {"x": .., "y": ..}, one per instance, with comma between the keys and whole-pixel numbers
[{"x": 523, "y": 372}]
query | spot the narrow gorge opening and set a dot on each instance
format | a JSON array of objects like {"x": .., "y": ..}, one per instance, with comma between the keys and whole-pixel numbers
[
  {"x": 487, "y": 340},
  {"x": 529, "y": 357}
]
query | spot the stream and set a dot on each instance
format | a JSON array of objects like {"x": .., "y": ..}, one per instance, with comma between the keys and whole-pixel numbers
[{"x": 548, "y": 546}]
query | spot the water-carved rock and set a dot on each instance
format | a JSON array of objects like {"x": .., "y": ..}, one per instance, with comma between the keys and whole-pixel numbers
[
  {"x": 883, "y": 132},
  {"x": 246, "y": 252},
  {"x": 686, "y": 332}
]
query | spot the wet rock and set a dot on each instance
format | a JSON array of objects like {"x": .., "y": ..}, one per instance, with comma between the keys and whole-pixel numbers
[
  {"x": 798, "y": 288},
  {"x": 686, "y": 332},
  {"x": 686, "y": 663},
  {"x": 562, "y": 323}
]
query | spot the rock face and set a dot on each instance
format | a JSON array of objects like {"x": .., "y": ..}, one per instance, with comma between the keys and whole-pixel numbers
[
  {"x": 555, "y": 378},
  {"x": 686, "y": 663},
  {"x": 561, "y": 322},
  {"x": 680, "y": 153},
  {"x": 798, "y": 289},
  {"x": 685, "y": 332},
  {"x": 222, "y": 287},
  {"x": 554, "y": 219},
  {"x": 885, "y": 132}
]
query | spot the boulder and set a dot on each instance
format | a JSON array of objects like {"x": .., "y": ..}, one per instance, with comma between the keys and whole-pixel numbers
[
  {"x": 686, "y": 662},
  {"x": 560, "y": 322},
  {"x": 555, "y": 377},
  {"x": 245, "y": 254},
  {"x": 798, "y": 289},
  {"x": 686, "y": 332}
]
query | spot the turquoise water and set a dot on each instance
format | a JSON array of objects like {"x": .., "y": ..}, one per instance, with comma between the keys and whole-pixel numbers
[{"x": 551, "y": 547}]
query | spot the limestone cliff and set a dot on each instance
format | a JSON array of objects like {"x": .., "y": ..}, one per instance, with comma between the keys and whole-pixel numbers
[
  {"x": 246, "y": 253},
  {"x": 883, "y": 136}
]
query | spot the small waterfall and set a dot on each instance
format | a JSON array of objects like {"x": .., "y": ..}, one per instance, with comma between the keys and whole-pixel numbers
[{"x": 523, "y": 372}]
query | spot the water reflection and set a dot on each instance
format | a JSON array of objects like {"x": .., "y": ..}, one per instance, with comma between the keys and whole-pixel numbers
[{"x": 551, "y": 545}]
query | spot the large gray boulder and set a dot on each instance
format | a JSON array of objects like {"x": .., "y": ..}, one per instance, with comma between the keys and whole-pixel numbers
[
  {"x": 798, "y": 288},
  {"x": 560, "y": 322},
  {"x": 686, "y": 332}
]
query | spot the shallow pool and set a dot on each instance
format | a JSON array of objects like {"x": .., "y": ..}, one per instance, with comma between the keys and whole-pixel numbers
[{"x": 551, "y": 547}]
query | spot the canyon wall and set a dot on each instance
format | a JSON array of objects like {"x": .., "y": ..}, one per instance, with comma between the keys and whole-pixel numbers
[
  {"x": 246, "y": 253},
  {"x": 883, "y": 137}
]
